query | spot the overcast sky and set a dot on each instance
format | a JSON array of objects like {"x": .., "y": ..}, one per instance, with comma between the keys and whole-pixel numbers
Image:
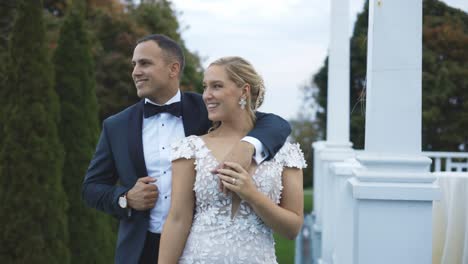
[{"x": 285, "y": 40}]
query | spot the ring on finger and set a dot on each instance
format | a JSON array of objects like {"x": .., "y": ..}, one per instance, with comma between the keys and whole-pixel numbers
[{"x": 234, "y": 181}]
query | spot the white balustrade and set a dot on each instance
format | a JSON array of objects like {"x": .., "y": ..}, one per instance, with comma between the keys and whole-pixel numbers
[{"x": 448, "y": 161}]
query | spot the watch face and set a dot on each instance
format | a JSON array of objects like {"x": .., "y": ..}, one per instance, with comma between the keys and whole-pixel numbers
[{"x": 123, "y": 202}]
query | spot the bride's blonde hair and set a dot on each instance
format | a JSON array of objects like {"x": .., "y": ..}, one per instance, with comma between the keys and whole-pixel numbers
[{"x": 241, "y": 72}]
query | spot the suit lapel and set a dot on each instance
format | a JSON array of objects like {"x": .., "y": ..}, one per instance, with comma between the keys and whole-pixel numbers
[
  {"x": 190, "y": 115},
  {"x": 135, "y": 140}
]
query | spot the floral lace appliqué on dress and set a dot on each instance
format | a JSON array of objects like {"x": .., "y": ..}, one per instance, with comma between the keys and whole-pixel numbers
[{"x": 216, "y": 236}]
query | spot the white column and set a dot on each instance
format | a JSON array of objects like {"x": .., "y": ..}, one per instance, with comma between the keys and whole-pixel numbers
[
  {"x": 337, "y": 146},
  {"x": 329, "y": 156},
  {"x": 344, "y": 209},
  {"x": 338, "y": 74},
  {"x": 318, "y": 146},
  {"x": 394, "y": 69},
  {"x": 393, "y": 191}
]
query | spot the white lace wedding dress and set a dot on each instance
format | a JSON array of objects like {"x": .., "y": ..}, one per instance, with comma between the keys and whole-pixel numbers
[{"x": 216, "y": 236}]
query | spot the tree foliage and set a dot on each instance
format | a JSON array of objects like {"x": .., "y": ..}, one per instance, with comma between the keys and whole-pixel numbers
[
  {"x": 32, "y": 199},
  {"x": 116, "y": 32},
  {"x": 35, "y": 227},
  {"x": 79, "y": 130},
  {"x": 304, "y": 132},
  {"x": 7, "y": 16},
  {"x": 115, "y": 26},
  {"x": 444, "y": 83},
  {"x": 56, "y": 7}
]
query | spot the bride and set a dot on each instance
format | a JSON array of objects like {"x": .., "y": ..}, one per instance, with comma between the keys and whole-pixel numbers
[{"x": 205, "y": 225}]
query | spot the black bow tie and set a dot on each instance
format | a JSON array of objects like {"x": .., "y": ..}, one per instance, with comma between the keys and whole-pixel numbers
[{"x": 151, "y": 109}]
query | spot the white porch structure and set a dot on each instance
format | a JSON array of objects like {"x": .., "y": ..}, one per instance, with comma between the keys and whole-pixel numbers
[{"x": 376, "y": 205}]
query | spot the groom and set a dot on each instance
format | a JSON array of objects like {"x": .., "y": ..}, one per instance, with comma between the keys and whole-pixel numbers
[{"x": 129, "y": 176}]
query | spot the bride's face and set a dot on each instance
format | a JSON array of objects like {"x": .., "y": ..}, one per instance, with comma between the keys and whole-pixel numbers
[{"x": 221, "y": 95}]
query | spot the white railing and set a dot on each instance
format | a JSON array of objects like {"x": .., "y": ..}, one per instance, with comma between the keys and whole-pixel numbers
[{"x": 448, "y": 161}]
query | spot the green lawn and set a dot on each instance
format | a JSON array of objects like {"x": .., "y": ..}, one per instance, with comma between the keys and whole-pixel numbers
[
  {"x": 308, "y": 200},
  {"x": 285, "y": 247}
]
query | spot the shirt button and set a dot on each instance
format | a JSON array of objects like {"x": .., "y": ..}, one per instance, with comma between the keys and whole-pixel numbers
[
  {"x": 164, "y": 172},
  {"x": 163, "y": 148},
  {"x": 165, "y": 197},
  {"x": 162, "y": 124}
]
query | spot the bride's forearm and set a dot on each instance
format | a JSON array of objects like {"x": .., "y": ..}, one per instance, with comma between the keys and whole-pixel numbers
[
  {"x": 174, "y": 235},
  {"x": 286, "y": 218},
  {"x": 179, "y": 220},
  {"x": 281, "y": 220}
]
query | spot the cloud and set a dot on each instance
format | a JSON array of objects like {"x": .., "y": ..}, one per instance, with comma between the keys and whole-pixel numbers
[{"x": 233, "y": 9}]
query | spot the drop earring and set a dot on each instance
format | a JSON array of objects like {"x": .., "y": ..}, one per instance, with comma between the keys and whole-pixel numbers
[{"x": 242, "y": 103}]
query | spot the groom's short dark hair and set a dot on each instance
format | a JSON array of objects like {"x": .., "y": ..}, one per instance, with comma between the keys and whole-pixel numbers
[{"x": 169, "y": 46}]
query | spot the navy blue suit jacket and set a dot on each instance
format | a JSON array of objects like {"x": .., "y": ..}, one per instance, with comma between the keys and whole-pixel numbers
[{"x": 118, "y": 162}]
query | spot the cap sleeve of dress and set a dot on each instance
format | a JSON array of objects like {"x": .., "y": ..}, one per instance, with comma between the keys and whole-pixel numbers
[
  {"x": 290, "y": 155},
  {"x": 184, "y": 148}
]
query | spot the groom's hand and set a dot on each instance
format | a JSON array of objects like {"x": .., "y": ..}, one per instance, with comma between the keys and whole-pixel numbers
[{"x": 143, "y": 195}]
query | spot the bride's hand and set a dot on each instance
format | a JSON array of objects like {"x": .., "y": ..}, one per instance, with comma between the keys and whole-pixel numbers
[
  {"x": 238, "y": 180},
  {"x": 241, "y": 153}
]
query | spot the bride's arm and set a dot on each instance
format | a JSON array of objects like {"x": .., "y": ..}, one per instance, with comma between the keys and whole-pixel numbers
[
  {"x": 285, "y": 218},
  {"x": 179, "y": 220}
]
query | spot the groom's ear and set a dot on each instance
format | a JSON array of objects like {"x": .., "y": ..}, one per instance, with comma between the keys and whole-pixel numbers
[{"x": 174, "y": 69}]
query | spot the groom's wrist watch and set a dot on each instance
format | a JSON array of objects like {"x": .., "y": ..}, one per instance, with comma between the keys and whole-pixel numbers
[
  {"x": 123, "y": 201},
  {"x": 124, "y": 205}
]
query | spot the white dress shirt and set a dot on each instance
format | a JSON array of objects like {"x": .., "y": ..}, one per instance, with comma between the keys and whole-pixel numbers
[{"x": 159, "y": 132}]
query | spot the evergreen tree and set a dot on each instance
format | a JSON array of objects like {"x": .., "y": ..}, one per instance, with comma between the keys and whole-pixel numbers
[
  {"x": 56, "y": 7},
  {"x": 445, "y": 78},
  {"x": 304, "y": 132},
  {"x": 319, "y": 80},
  {"x": 32, "y": 199},
  {"x": 116, "y": 26},
  {"x": 79, "y": 131},
  {"x": 7, "y": 14}
]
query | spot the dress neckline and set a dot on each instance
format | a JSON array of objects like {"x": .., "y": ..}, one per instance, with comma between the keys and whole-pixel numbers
[
  {"x": 210, "y": 153},
  {"x": 217, "y": 160}
]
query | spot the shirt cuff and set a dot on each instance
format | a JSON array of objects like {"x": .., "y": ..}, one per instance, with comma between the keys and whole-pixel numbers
[{"x": 260, "y": 154}]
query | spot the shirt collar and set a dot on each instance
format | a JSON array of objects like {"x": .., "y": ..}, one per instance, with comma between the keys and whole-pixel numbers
[{"x": 174, "y": 99}]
